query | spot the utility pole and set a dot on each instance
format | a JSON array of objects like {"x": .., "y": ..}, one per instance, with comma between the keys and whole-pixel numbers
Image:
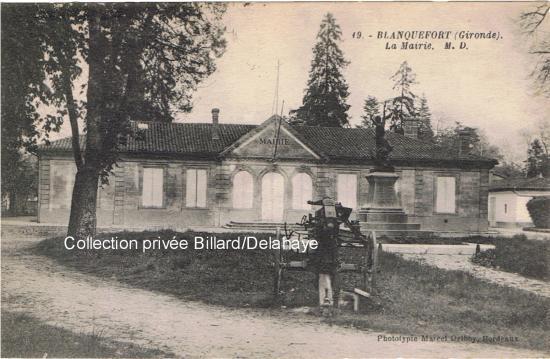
[{"x": 275, "y": 104}]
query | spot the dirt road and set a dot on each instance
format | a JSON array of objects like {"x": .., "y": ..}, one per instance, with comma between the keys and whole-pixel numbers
[{"x": 81, "y": 303}]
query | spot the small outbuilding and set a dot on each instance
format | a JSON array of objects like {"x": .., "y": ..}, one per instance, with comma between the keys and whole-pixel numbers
[{"x": 508, "y": 200}]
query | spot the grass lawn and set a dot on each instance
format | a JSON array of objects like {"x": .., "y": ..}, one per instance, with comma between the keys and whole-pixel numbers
[
  {"x": 25, "y": 337},
  {"x": 412, "y": 298}
]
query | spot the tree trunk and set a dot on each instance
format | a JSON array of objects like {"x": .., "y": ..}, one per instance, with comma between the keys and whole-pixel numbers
[
  {"x": 12, "y": 210},
  {"x": 82, "y": 222}
]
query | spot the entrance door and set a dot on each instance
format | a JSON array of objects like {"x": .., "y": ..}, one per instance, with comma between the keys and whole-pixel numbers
[{"x": 273, "y": 190}]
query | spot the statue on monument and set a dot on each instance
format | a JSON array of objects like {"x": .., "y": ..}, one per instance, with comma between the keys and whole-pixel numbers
[
  {"x": 383, "y": 147},
  {"x": 383, "y": 204}
]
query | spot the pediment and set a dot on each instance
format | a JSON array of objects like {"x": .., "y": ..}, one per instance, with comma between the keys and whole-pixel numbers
[{"x": 273, "y": 137}]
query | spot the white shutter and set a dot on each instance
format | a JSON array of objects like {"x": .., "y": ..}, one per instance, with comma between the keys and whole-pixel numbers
[
  {"x": 195, "y": 191},
  {"x": 191, "y": 188},
  {"x": 153, "y": 187},
  {"x": 158, "y": 186},
  {"x": 446, "y": 195},
  {"x": 201, "y": 188},
  {"x": 346, "y": 190},
  {"x": 147, "y": 190}
]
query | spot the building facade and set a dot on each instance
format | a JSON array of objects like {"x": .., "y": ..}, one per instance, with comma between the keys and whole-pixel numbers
[{"x": 209, "y": 174}]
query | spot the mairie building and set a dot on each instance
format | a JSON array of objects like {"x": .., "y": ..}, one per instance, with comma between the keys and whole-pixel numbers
[{"x": 179, "y": 175}]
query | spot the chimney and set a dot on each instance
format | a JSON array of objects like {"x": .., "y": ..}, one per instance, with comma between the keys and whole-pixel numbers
[
  {"x": 467, "y": 136},
  {"x": 215, "y": 127},
  {"x": 410, "y": 128}
]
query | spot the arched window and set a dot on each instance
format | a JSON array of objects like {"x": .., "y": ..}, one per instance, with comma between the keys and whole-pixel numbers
[
  {"x": 301, "y": 191},
  {"x": 273, "y": 192},
  {"x": 243, "y": 190}
]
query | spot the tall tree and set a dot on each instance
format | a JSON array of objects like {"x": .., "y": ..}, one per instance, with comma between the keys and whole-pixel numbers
[
  {"x": 157, "y": 51},
  {"x": 424, "y": 118},
  {"x": 533, "y": 22},
  {"x": 324, "y": 102},
  {"x": 402, "y": 107},
  {"x": 538, "y": 160},
  {"x": 371, "y": 109}
]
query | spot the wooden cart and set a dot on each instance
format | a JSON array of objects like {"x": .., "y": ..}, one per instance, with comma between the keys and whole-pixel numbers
[{"x": 366, "y": 267}]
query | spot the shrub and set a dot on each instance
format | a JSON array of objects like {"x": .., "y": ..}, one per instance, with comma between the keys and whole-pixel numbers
[
  {"x": 523, "y": 256},
  {"x": 539, "y": 210},
  {"x": 485, "y": 258}
]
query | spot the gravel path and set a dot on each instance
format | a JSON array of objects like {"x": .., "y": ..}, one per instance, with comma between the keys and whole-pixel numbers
[
  {"x": 462, "y": 263},
  {"x": 82, "y": 303}
]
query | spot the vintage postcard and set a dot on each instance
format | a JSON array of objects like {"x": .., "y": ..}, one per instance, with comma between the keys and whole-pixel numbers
[{"x": 275, "y": 179}]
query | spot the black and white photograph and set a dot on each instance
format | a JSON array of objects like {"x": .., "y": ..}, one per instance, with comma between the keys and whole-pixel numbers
[{"x": 275, "y": 179}]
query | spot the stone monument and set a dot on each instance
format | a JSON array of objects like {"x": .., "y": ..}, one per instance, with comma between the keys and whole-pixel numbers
[{"x": 383, "y": 210}]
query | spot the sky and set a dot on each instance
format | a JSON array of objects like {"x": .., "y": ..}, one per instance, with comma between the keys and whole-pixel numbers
[{"x": 486, "y": 86}]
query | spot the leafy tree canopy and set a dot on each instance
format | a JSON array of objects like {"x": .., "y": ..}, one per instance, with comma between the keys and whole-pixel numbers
[
  {"x": 134, "y": 61},
  {"x": 152, "y": 57},
  {"x": 449, "y": 138},
  {"x": 510, "y": 170},
  {"x": 22, "y": 87}
]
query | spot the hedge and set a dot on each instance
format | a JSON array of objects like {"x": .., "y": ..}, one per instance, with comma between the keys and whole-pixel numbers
[
  {"x": 539, "y": 210},
  {"x": 523, "y": 256},
  {"x": 519, "y": 255}
]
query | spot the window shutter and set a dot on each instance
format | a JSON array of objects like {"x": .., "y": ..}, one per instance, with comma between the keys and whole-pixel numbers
[
  {"x": 196, "y": 185},
  {"x": 191, "y": 188},
  {"x": 347, "y": 190},
  {"x": 201, "y": 188},
  {"x": 445, "y": 195},
  {"x": 153, "y": 187}
]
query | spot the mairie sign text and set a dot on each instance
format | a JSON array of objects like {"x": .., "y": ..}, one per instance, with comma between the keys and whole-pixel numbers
[{"x": 273, "y": 141}]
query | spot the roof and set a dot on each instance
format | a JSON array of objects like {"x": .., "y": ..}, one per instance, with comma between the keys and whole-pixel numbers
[
  {"x": 333, "y": 144},
  {"x": 359, "y": 143},
  {"x": 521, "y": 184},
  {"x": 192, "y": 139}
]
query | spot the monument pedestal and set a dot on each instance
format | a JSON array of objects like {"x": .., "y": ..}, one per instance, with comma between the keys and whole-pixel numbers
[{"x": 383, "y": 211}]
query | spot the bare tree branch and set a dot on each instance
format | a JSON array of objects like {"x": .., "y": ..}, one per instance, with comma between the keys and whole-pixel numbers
[
  {"x": 531, "y": 22},
  {"x": 533, "y": 19}
]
